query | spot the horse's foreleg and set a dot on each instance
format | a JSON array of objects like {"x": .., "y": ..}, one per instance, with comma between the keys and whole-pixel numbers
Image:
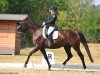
[
  {"x": 32, "y": 52},
  {"x": 69, "y": 54},
  {"x": 46, "y": 58}
]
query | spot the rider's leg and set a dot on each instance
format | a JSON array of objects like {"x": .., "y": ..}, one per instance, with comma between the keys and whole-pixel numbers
[{"x": 50, "y": 37}]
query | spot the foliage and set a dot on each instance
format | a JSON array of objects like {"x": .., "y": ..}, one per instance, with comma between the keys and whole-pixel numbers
[{"x": 72, "y": 14}]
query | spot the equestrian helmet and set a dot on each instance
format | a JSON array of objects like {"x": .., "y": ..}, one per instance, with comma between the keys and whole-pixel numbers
[{"x": 53, "y": 8}]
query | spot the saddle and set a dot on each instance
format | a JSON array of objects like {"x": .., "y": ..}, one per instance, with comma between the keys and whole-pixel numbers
[{"x": 51, "y": 32}]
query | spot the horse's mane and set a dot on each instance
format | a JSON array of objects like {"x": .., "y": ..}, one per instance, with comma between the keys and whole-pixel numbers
[{"x": 35, "y": 25}]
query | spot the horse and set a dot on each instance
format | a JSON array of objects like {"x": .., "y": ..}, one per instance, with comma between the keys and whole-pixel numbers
[{"x": 66, "y": 38}]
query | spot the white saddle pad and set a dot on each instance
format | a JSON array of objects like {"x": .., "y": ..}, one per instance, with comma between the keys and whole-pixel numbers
[{"x": 50, "y": 29}]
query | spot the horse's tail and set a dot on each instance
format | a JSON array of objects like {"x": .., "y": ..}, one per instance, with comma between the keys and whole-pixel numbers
[{"x": 83, "y": 40}]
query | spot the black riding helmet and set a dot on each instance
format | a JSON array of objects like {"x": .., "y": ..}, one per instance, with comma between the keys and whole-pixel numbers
[{"x": 53, "y": 8}]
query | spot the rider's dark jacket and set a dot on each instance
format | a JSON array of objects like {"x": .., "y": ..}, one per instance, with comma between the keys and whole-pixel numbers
[{"x": 52, "y": 20}]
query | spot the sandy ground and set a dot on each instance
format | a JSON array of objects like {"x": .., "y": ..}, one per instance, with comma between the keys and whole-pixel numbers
[{"x": 46, "y": 72}]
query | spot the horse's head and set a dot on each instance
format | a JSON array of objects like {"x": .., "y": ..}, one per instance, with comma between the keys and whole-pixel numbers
[
  {"x": 21, "y": 28},
  {"x": 26, "y": 26}
]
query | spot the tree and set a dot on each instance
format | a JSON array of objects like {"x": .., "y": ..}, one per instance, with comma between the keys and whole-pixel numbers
[{"x": 73, "y": 14}]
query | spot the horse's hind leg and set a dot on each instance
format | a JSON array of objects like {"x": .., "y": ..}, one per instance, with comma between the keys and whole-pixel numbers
[
  {"x": 69, "y": 54},
  {"x": 32, "y": 52},
  {"x": 81, "y": 56}
]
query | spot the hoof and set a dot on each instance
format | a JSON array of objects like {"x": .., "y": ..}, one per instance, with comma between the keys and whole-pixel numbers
[
  {"x": 25, "y": 65},
  {"x": 62, "y": 67},
  {"x": 49, "y": 69},
  {"x": 84, "y": 67}
]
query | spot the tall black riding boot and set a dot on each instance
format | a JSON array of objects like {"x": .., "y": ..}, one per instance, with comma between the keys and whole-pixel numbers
[
  {"x": 51, "y": 39},
  {"x": 46, "y": 32}
]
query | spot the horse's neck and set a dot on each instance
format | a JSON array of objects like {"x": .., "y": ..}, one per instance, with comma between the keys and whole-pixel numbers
[
  {"x": 34, "y": 31},
  {"x": 30, "y": 30}
]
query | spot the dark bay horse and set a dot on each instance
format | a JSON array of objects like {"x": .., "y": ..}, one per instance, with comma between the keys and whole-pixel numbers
[{"x": 66, "y": 39}]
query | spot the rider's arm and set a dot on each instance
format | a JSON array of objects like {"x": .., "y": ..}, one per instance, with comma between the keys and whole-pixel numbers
[{"x": 51, "y": 20}]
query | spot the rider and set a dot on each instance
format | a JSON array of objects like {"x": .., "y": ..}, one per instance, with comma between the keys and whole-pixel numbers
[{"x": 51, "y": 22}]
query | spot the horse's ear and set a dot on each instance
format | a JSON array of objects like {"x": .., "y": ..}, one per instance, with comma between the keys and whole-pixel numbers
[
  {"x": 27, "y": 20},
  {"x": 20, "y": 22}
]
